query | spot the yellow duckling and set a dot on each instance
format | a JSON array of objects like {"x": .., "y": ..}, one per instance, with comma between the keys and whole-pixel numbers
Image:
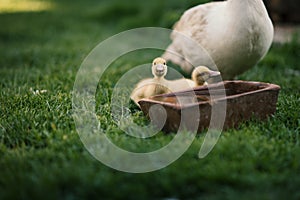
[
  {"x": 201, "y": 74},
  {"x": 152, "y": 86}
]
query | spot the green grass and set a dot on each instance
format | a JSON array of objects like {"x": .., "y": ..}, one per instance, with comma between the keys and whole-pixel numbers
[{"x": 41, "y": 155}]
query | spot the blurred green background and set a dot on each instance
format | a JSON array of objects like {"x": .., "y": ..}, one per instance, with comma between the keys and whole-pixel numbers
[{"x": 42, "y": 44}]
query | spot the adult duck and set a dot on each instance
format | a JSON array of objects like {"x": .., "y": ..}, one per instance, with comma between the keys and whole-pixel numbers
[{"x": 234, "y": 34}]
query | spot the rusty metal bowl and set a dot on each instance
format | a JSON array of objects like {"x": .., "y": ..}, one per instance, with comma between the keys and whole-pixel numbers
[{"x": 244, "y": 100}]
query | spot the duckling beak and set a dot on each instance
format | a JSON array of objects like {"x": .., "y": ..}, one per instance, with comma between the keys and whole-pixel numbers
[
  {"x": 160, "y": 68},
  {"x": 213, "y": 74}
]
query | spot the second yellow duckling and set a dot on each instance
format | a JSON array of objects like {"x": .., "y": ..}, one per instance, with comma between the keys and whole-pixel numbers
[
  {"x": 201, "y": 74},
  {"x": 199, "y": 77}
]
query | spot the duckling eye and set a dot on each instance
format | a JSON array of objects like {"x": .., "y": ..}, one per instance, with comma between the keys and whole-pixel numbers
[
  {"x": 164, "y": 63},
  {"x": 154, "y": 63}
]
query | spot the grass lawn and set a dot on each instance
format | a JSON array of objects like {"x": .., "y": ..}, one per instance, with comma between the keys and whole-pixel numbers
[{"x": 43, "y": 43}]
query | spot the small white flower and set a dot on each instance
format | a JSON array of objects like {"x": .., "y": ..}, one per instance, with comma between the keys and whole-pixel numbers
[{"x": 36, "y": 92}]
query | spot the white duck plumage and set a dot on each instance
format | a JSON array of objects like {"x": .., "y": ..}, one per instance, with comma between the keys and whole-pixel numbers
[{"x": 235, "y": 34}]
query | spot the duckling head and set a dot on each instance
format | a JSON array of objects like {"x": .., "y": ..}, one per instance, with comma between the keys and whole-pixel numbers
[
  {"x": 201, "y": 74},
  {"x": 159, "y": 67}
]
